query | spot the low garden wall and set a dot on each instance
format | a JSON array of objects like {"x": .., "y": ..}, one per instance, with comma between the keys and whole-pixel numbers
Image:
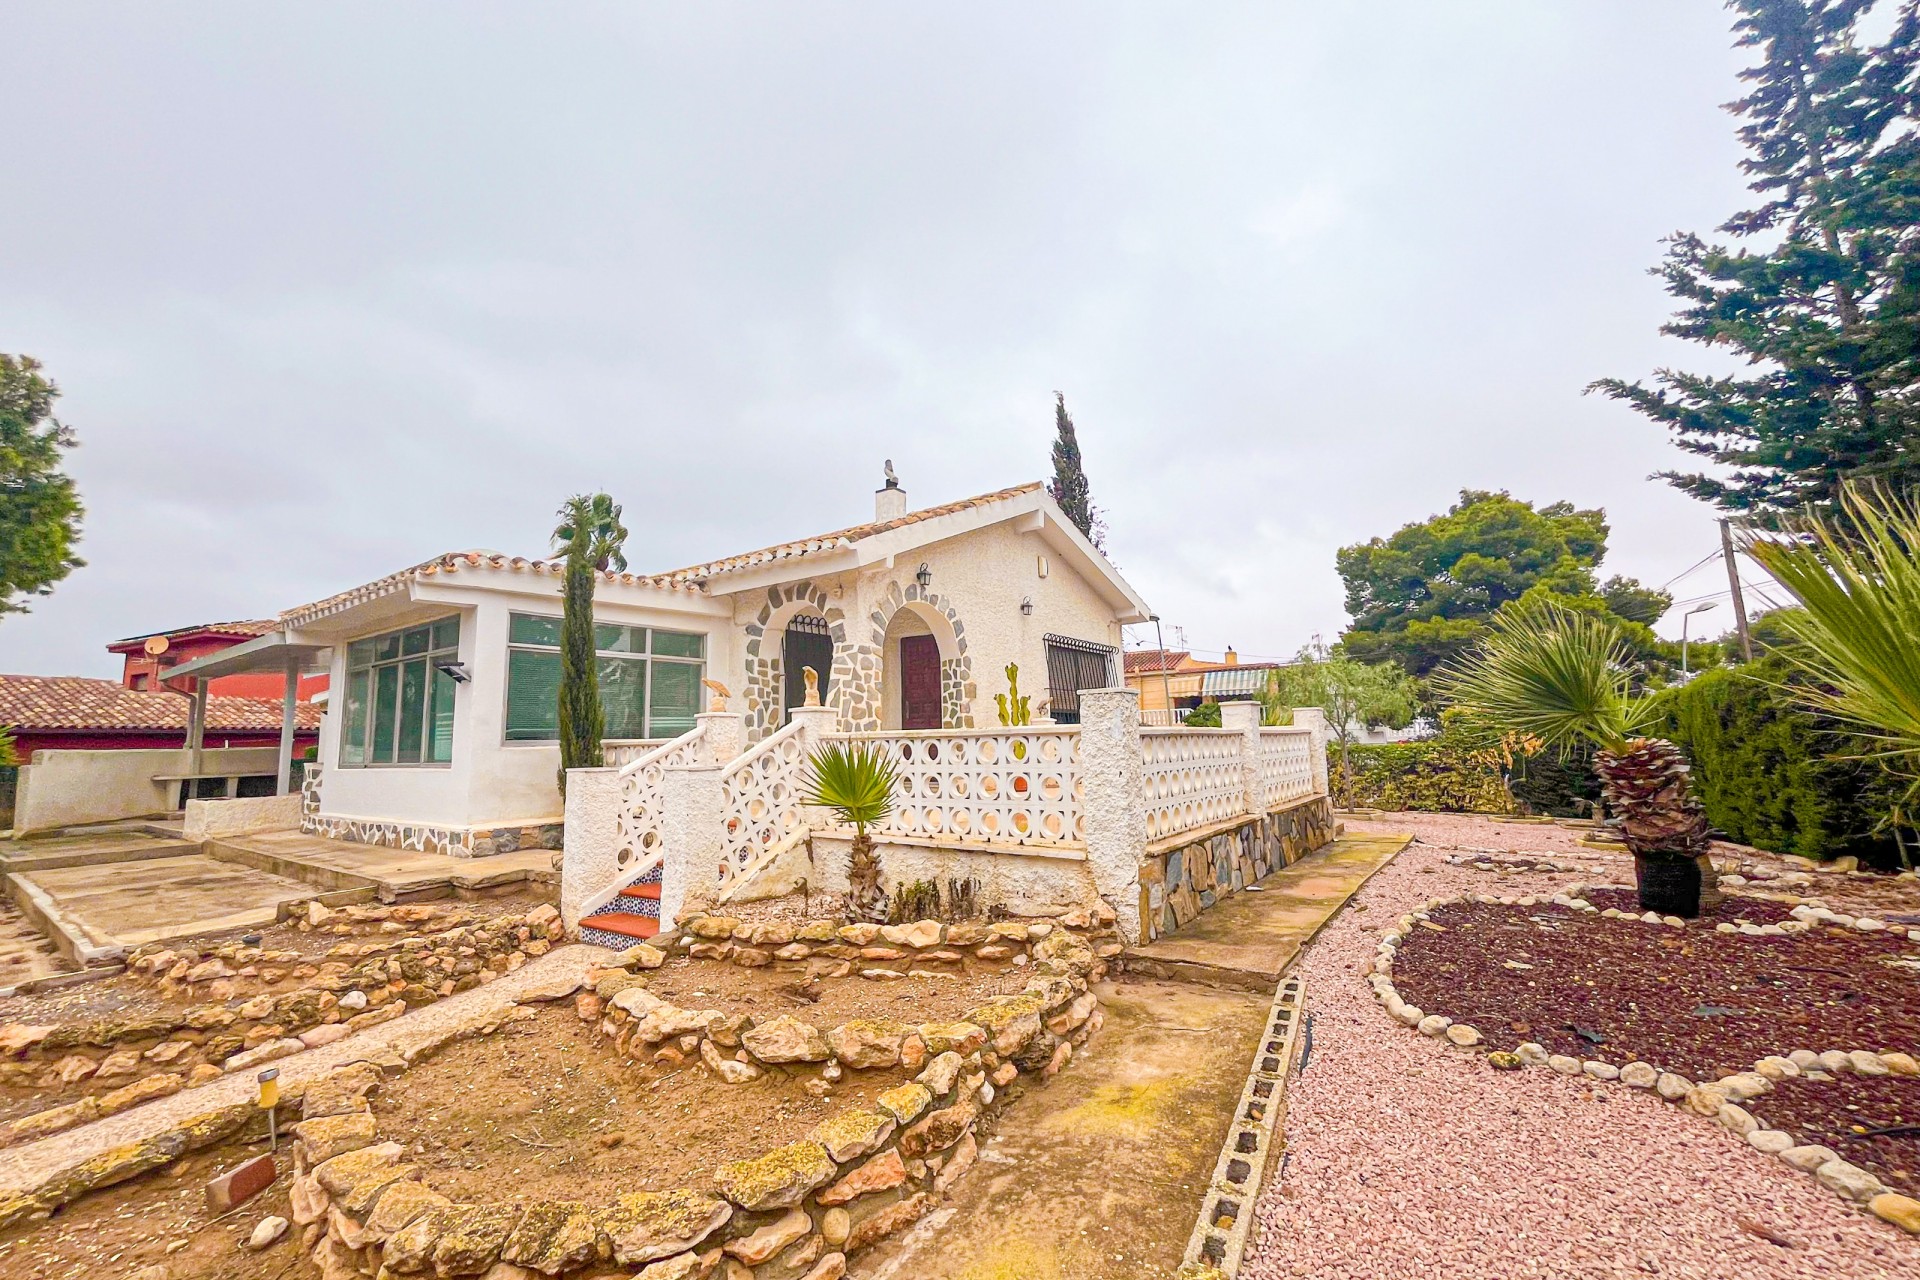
[
  {"x": 355, "y": 985},
  {"x": 1184, "y": 876},
  {"x": 791, "y": 1213}
]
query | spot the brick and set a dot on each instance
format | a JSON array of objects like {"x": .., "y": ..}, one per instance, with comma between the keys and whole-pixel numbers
[{"x": 241, "y": 1183}]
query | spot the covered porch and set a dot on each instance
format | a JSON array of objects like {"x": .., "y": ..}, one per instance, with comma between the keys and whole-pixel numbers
[{"x": 275, "y": 653}]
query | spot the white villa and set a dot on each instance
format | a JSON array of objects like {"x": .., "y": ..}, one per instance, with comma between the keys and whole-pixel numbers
[{"x": 442, "y": 730}]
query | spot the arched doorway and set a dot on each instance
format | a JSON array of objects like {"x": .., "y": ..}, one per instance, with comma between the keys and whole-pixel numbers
[
  {"x": 806, "y": 642},
  {"x": 916, "y": 664}
]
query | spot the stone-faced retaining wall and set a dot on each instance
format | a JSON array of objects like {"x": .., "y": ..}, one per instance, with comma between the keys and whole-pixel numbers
[
  {"x": 455, "y": 842},
  {"x": 1178, "y": 882},
  {"x": 355, "y": 986},
  {"x": 794, "y": 1213}
]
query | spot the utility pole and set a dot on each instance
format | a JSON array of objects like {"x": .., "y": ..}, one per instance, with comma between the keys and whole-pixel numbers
[{"x": 1733, "y": 580}]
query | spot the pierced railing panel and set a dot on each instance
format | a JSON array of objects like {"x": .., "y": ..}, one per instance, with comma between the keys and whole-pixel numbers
[
  {"x": 1013, "y": 787},
  {"x": 618, "y": 753},
  {"x": 1193, "y": 779},
  {"x": 641, "y": 783},
  {"x": 1286, "y": 765},
  {"x": 760, "y": 799}
]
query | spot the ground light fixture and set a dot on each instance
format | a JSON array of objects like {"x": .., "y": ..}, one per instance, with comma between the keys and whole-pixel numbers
[{"x": 269, "y": 1081}]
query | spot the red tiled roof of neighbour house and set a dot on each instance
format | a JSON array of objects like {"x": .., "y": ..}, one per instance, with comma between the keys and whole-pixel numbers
[
  {"x": 839, "y": 538},
  {"x": 1138, "y": 661},
  {"x": 245, "y": 630},
  {"x": 453, "y": 562},
  {"x": 77, "y": 702}
]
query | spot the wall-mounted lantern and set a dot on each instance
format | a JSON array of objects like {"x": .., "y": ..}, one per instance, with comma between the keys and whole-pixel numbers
[
  {"x": 1026, "y": 605},
  {"x": 923, "y": 575}
]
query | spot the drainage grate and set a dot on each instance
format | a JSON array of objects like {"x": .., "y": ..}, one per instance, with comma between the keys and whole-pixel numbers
[{"x": 1226, "y": 1214}]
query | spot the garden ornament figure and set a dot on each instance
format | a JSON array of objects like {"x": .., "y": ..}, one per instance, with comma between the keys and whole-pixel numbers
[
  {"x": 720, "y": 694},
  {"x": 812, "y": 678}
]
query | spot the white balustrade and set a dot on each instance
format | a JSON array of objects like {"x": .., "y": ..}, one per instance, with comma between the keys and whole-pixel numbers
[
  {"x": 641, "y": 779},
  {"x": 1286, "y": 765},
  {"x": 1011, "y": 786},
  {"x": 761, "y": 799},
  {"x": 1193, "y": 779},
  {"x": 618, "y": 753}
]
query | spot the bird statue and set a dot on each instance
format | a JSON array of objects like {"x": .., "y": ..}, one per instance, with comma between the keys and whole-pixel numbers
[
  {"x": 893, "y": 480},
  {"x": 720, "y": 694}
]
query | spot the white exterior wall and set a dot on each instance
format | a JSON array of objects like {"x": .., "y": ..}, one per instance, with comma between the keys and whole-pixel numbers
[
  {"x": 490, "y": 782},
  {"x": 62, "y": 788}
]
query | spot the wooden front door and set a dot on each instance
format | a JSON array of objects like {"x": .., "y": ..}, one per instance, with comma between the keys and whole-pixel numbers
[{"x": 919, "y": 682}]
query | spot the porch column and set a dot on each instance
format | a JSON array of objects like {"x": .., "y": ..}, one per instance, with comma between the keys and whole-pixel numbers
[
  {"x": 1113, "y": 783},
  {"x": 588, "y": 858},
  {"x": 693, "y": 838},
  {"x": 1244, "y": 719},
  {"x": 196, "y": 731},
  {"x": 283, "y": 781}
]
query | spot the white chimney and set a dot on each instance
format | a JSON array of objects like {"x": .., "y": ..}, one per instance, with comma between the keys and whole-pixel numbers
[{"x": 890, "y": 500}]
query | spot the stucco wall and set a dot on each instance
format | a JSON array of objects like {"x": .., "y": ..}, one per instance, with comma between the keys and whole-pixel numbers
[
  {"x": 1022, "y": 884},
  {"x": 211, "y": 819},
  {"x": 68, "y": 788},
  {"x": 490, "y": 782}
]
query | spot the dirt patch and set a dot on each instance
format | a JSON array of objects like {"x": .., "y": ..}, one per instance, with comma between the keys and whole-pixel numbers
[
  {"x": 1848, "y": 1115},
  {"x": 1691, "y": 1000},
  {"x": 828, "y": 1002},
  {"x": 122, "y": 1230},
  {"x": 544, "y": 1109}
]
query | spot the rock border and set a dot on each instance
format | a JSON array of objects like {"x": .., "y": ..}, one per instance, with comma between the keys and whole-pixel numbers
[
  {"x": 1719, "y": 1100},
  {"x": 356, "y": 985},
  {"x": 798, "y": 1210}
]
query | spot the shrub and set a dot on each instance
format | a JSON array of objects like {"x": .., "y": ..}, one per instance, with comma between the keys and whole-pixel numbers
[
  {"x": 1559, "y": 783},
  {"x": 1204, "y": 716},
  {"x": 1449, "y": 773},
  {"x": 1775, "y": 776}
]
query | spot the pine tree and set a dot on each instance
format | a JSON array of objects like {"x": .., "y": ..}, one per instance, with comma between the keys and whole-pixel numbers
[
  {"x": 1824, "y": 302},
  {"x": 1069, "y": 487},
  {"x": 39, "y": 509},
  {"x": 592, "y": 538}
]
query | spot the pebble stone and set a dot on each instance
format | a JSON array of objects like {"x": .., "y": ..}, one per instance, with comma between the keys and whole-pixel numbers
[
  {"x": 1466, "y": 1037},
  {"x": 1673, "y": 1087},
  {"x": 1564, "y": 1065},
  {"x": 1435, "y": 1024},
  {"x": 1868, "y": 1063},
  {"x": 1848, "y": 1180},
  {"x": 1601, "y": 1070},
  {"x": 1737, "y": 1119},
  {"x": 1771, "y": 1141},
  {"x": 1640, "y": 1075}
]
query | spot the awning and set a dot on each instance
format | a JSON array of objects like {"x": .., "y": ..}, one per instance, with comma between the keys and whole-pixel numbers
[
  {"x": 1235, "y": 682},
  {"x": 271, "y": 652}
]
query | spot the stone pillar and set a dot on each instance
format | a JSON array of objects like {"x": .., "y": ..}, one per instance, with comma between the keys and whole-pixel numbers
[
  {"x": 587, "y": 862},
  {"x": 725, "y": 735},
  {"x": 817, "y": 724},
  {"x": 692, "y": 837},
  {"x": 1113, "y": 783},
  {"x": 1244, "y": 719},
  {"x": 1315, "y": 719}
]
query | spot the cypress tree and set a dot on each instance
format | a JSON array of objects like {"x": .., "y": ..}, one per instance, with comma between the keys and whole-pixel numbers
[
  {"x": 1823, "y": 303},
  {"x": 1069, "y": 487},
  {"x": 592, "y": 538}
]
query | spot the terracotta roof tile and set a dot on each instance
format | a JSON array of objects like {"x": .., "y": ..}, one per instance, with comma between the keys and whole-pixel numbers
[
  {"x": 249, "y": 629},
  {"x": 1138, "y": 661},
  {"x": 76, "y": 702},
  {"x": 840, "y": 537}
]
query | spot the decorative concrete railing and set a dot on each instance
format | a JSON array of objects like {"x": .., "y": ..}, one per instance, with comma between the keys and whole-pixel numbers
[
  {"x": 1194, "y": 778},
  {"x": 1286, "y": 765},
  {"x": 760, "y": 793},
  {"x": 1014, "y": 786},
  {"x": 618, "y": 753},
  {"x": 642, "y": 781}
]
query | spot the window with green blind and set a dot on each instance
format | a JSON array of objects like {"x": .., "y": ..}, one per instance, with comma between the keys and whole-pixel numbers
[
  {"x": 399, "y": 703},
  {"x": 649, "y": 679}
]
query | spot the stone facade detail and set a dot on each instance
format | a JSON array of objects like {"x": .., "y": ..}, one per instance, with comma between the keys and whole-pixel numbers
[
  {"x": 455, "y": 842},
  {"x": 1177, "y": 884},
  {"x": 764, "y": 692}
]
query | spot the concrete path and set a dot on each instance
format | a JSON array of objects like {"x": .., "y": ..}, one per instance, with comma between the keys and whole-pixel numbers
[
  {"x": 1098, "y": 1174},
  {"x": 135, "y": 902},
  {"x": 1249, "y": 940},
  {"x": 558, "y": 972},
  {"x": 341, "y": 864}
]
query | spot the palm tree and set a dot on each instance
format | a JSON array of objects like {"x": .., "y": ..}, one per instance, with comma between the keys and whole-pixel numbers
[
  {"x": 856, "y": 781},
  {"x": 1856, "y": 577},
  {"x": 592, "y": 538},
  {"x": 1564, "y": 678}
]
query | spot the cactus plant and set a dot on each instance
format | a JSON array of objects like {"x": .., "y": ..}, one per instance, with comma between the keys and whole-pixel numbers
[{"x": 1013, "y": 705}]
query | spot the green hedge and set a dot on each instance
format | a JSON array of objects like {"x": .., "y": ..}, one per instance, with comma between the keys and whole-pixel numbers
[
  {"x": 1774, "y": 776},
  {"x": 1440, "y": 774}
]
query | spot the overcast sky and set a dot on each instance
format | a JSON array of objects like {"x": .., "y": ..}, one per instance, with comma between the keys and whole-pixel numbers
[{"x": 333, "y": 289}]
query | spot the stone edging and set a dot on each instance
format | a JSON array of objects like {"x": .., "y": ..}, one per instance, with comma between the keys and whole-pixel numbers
[
  {"x": 1719, "y": 1100},
  {"x": 356, "y": 985},
  {"x": 1219, "y": 1240},
  {"x": 860, "y": 1176}
]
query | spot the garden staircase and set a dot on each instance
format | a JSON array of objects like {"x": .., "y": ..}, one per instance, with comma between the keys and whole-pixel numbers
[{"x": 632, "y": 915}]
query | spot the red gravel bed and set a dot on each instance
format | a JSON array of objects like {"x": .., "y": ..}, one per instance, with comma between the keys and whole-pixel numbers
[
  {"x": 1731, "y": 909},
  {"x": 1691, "y": 1000},
  {"x": 1839, "y": 1113}
]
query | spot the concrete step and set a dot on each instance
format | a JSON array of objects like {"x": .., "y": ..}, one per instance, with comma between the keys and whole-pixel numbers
[
  {"x": 627, "y": 924},
  {"x": 30, "y": 856}
]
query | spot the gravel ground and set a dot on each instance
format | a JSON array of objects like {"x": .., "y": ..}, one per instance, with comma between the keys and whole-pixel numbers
[{"x": 1410, "y": 1159}]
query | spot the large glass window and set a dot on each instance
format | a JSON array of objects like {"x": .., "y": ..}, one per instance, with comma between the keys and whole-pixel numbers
[
  {"x": 649, "y": 679},
  {"x": 399, "y": 704}
]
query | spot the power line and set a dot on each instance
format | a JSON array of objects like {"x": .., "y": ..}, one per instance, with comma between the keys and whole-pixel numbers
[{"x": 1701, "y": 563}]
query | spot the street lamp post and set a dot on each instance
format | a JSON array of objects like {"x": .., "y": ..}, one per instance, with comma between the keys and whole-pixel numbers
[{"x": 1686, "y": 618}]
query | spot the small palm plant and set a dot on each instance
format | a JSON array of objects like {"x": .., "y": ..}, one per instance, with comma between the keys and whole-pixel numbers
[
  {"x": 1856, "y": 577},
  {"x": 856, "y": 781},
  {"x": 1561, "y": 678}
]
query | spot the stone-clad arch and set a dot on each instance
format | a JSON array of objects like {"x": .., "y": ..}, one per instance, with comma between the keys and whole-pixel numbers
[
  {"x": 765, "y": 675},
  {"x": 957, "y": 688}
]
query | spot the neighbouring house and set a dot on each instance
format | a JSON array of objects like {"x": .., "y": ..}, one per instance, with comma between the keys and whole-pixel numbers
[
  {"x": 1174, "y": 678},
  {"x": 76, "y": 713},
  {"x": 442, "y": 730},
  {"x": 148, "y": 659}
]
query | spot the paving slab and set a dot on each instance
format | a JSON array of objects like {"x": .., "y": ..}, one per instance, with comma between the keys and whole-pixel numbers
[
  {"x": 397, "y": 873},
  {"x": 1249, "y": 939},
  {"x": 134, "y": 902}
]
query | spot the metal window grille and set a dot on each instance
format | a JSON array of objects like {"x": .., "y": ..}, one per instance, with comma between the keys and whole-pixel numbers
[{"x": 1073, "y": 665}]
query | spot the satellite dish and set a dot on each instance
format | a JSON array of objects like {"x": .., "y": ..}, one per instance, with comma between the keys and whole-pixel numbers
[{"x": 155, "y": 646}]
